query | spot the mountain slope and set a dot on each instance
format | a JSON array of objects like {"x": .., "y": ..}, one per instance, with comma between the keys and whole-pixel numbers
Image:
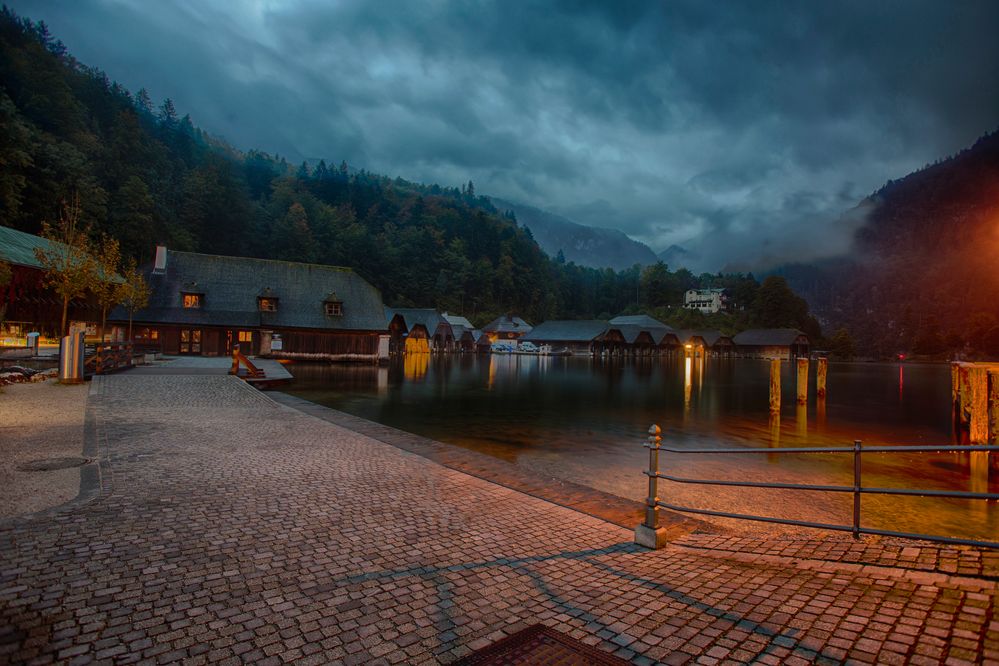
[
  {"x": 924, "y": 272},
  {"x": 587, "y": 246}
]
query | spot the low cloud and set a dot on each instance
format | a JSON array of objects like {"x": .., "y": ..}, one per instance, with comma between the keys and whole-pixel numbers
[{"x": 743, "y": 132}]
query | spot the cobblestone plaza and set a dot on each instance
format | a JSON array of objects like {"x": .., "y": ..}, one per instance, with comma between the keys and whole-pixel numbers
[{"x": 222, "y": 526}]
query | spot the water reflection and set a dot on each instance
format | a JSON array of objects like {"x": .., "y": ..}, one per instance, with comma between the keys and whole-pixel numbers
[{"x": 585, "y": 419}]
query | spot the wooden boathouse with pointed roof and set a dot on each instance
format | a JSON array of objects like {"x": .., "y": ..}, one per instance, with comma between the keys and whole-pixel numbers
[{"x": 205, "y": 304}]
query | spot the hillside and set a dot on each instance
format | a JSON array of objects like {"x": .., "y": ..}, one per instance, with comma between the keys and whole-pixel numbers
[
  {"x": 587, "y": 246},
  {"x": 923, "y": 276}
]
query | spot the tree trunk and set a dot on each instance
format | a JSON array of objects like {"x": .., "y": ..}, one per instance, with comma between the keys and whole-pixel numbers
[
  {"x": 104, "y": 319},
  {"x": 65, "y": 312}
]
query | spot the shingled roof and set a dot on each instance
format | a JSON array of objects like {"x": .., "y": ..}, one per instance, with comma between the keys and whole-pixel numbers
[
  {"x": 507, "y": 324},
  {"x": 710, "y": 337},
  {"x": 643, "y": 320},
  {"x": 232, "y": 285},
  {"x": 567, "y": 331},
  {"x": 428, "y": 318},
  {"x": 768, "y": 337},
  {"x": 18, "y": 249}
]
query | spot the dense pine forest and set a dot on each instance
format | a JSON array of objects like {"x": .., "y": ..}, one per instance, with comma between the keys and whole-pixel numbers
[{"x": 145, "y": 174}]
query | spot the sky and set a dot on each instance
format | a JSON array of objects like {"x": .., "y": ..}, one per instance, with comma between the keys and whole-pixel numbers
[{"x": 745, "y": 132}]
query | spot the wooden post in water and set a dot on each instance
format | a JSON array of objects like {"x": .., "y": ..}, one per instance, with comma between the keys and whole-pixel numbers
[
  {"x": 993, "y": 382},
  {"x": 802, "y": 381},
  {"x": 775, "y": 386},
  {"x": 978, "y": 404},
  {"x": 821, "y": 369},
  {"x": 955, "y": 393}
]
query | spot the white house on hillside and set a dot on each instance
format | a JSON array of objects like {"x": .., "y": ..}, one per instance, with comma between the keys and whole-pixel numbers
[{"x": 705, "y": 300}]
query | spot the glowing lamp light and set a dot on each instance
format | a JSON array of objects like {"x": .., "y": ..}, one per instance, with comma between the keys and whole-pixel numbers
[
  {"x": 901, "y": 357},
  {"x": 689, "y": 346}
]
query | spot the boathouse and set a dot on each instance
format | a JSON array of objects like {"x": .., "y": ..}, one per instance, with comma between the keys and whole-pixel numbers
[
  {"x": 423, "y": 330},
  {"x": 643, "y": 335},
  {"x": 706, "y": 342},
  {"x": 204, "y": 305},
  {"x": 465, "y": 334},
  {"x": 583, "y": 337},
  {"x": 507, "y": 327},
  {"x": 782, "y": 343},
  {"x": 26, "y": 305}
]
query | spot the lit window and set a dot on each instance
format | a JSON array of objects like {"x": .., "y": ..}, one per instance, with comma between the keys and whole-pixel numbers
[
  {"x": 192, "y": 300},
  {"x": 246, "y": 336},
  {"x": 334, "y": 309},
  {"x": 268, "y": 305}
]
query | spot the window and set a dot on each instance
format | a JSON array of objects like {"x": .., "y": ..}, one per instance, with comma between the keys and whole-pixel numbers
[
  {"x": 334, "y": 309},
  {"x": 246, "y": 336},
  {"x": 268, "y": 304},
  {"x": 192, "y": 300}
]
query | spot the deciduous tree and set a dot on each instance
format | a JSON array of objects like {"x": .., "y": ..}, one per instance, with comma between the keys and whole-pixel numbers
[{"x": 69, "y": 268}]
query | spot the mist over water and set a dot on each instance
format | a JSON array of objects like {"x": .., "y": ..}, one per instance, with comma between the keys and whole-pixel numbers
[{"x": 585, "y": 420}]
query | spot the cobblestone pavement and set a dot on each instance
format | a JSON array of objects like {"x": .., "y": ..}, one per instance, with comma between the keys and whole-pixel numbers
[{"x": 230, "y": 528}]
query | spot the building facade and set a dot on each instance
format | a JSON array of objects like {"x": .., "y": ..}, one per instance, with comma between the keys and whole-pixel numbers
[
  {"x": 705, "y": 300},
  {"x": 205, "y": 305}
]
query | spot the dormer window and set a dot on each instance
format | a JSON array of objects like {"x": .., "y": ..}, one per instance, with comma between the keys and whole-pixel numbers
[
  {"x": 333, "y": 305},
  {"x": 267, "y": 304},
  {"x": 193, "y": 300}
]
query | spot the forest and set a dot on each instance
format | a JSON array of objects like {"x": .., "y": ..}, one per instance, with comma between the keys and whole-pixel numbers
[{"x": 147, "y": 175}]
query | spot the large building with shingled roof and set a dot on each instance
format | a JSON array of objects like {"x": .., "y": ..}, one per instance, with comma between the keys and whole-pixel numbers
[{"x": 205, "y": 305}]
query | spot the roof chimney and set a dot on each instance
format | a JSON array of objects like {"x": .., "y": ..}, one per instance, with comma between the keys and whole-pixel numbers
[{"x": 161, "y": 259}]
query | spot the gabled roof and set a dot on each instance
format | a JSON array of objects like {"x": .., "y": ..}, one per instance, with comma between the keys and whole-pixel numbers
[
  {"x": 630, "y": 332},
  {"x": 776, "y": 337},
  {"x": 455, "y": 320},
  {"x": 710, "y": 337},
  {"x": 643, "y": 320},
  {"x": 428, "y": 318},
  {"x": 231, "y": 286},
  {"x": 567, "y": 331},
  {"x": 507, "y": 324}
]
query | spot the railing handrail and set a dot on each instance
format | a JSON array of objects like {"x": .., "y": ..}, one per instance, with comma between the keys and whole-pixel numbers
[
  {"x": 653, "y": 503},
  {"x": 840, "y": 449}
]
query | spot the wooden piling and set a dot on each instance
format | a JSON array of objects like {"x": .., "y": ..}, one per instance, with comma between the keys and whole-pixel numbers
[
  {"x": 821, "y": 369},
  {"x": 978, "y": 405},
  {"x": 993, "y": 407},
  {"x": 955, "y": 393},
  {"x": 775, "y": 386},
  {"x": 802, "y": 381}
]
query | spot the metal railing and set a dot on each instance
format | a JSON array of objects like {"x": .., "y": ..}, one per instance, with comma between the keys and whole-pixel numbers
[{"x": 653, "y": 503}]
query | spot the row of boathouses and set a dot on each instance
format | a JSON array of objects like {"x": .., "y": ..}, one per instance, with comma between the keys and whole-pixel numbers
[{"x": 206, "y": 305}]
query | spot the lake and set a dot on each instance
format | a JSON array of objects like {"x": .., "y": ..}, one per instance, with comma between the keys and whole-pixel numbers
[{"x": 585, "y": 420}]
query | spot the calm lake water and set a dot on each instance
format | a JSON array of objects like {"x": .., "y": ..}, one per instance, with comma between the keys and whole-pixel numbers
[{"x": 585, "y": 420}]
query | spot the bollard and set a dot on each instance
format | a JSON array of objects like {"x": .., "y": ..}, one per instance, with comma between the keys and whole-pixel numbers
[
  {"x": 649, "y": 533},
  {"x": 821, "y": 368},
  {"x": 802, "y": 381},
  {"x": 775, "y": 386},
  {"x": 71, "y": 359}
]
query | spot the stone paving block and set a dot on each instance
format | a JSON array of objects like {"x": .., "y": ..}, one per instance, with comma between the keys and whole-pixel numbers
[{"x": 229, "y": 528}]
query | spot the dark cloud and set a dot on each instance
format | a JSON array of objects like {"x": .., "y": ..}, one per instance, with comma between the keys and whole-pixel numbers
[{"x": 742, "y": 131}]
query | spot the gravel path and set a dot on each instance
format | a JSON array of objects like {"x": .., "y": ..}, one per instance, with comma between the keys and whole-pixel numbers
[{"x": 39, "y": 421}]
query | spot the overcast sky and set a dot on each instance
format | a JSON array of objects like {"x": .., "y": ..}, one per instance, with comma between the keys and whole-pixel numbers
[{"x": 740, "y": 130}]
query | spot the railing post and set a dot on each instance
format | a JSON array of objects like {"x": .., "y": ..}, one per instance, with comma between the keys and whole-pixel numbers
[
  {"x": 649, "y": 533},
  {"x": 856, "y": 488}
]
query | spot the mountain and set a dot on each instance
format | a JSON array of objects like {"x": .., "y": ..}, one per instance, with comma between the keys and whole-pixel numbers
[
  {"x": 147, "y": 174},
  {"x": 586, "y": 246},
  {"x": 677, "y": 257},
  {"x": 923, "y": 275}
]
